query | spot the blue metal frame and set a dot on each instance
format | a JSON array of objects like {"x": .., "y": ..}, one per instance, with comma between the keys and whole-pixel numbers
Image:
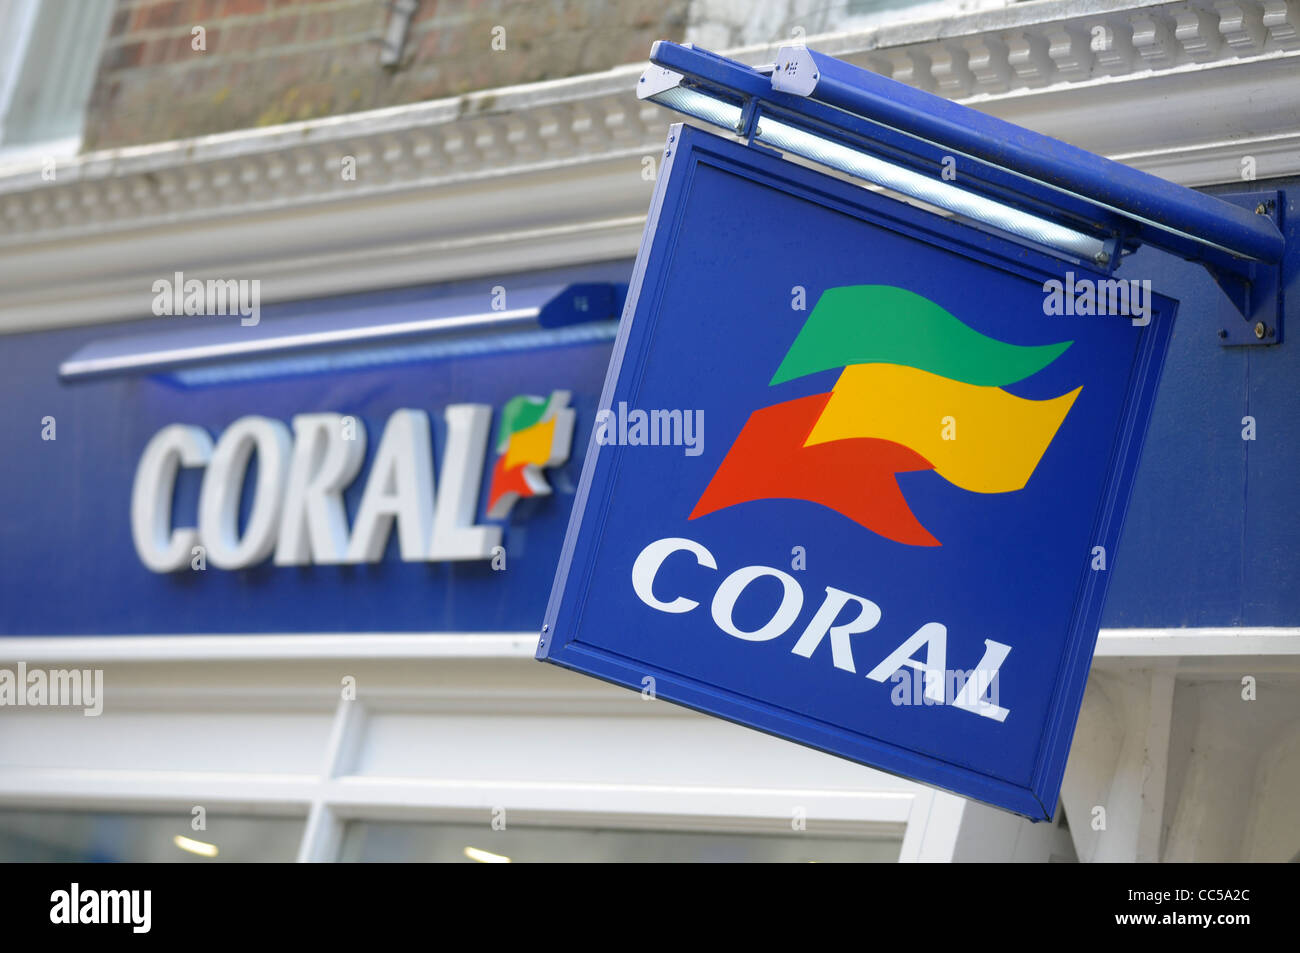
[
  {"x": 581, "y": 632},
  {"x": 1240, "y": 247},
  {"x": 1167, "y": 206}
]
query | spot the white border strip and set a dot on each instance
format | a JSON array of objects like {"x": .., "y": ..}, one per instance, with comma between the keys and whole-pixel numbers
[
  {"x": 270, "y": 647},
  {"x": 871, "y": 813},
  {"x": 1198, "y": 642},
  {"x": 1112, "y": 643}
]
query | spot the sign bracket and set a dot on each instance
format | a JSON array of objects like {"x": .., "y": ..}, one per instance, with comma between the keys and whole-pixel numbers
[{"x": 1257, "y": 296}]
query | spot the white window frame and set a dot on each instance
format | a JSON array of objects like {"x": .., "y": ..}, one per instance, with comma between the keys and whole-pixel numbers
[
  {"x": 61, "y": 83},
  {"x": 927, "y": 821}
]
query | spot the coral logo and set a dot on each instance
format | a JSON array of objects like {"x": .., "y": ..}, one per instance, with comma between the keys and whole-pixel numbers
[
  {"x": 534, "y": 433},
  {"x": 919, "y": 390}
]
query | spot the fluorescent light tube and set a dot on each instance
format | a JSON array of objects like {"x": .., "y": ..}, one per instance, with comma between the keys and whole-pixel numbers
[{"x": 790, "y": 138}]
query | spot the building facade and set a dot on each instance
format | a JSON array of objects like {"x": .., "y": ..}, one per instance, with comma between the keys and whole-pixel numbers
[{"x": 415, "y": 215}]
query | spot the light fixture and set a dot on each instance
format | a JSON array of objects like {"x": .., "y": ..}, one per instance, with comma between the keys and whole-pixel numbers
[
  {"x": 665, "y": 87},
  {"x": 486, "y": 856},
  {"x": 216, "y": 350},
  {"x": 789, "y": 138},
  {"x": 1157, "y": 203},
  {"x": 297, "y": 365},
  {"x": 192, "y": 846},
  {"x": 1036, "y": 189}
]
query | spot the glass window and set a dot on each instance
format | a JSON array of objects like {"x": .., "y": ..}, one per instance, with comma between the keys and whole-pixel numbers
[
  {"x": 49, "y": 54},
  {"x": 367, "y": 841},
  {"x": 84, "y": 836}
]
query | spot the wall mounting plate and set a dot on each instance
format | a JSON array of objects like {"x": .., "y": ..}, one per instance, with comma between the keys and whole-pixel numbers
[{"x": 1256, "y": 316}]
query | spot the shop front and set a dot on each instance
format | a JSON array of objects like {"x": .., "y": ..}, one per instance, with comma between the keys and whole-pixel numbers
[{"x": 291, "y": 456}]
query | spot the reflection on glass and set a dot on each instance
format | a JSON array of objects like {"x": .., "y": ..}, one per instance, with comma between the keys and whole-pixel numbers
[
  {"x": 100, "y": 837},
  {"x": 366, "y": 841}
]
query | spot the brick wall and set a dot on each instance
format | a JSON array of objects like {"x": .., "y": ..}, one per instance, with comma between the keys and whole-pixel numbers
[{"x": 272, "y": 61}]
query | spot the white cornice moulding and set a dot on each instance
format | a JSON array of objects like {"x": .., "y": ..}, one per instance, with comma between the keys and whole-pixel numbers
[{"x": 551, "y": 174}]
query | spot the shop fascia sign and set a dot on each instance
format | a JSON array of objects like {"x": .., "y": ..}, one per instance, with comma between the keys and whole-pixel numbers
[{"x": 297, "y": 515}]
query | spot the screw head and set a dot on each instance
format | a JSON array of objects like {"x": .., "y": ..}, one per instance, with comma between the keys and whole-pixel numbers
[
  {"x": 546, "y": 628},
  {"x": 1260, "y": 330},
  {"x": 1261, "y": 209},
  {"x": 1101, "y": 258}
]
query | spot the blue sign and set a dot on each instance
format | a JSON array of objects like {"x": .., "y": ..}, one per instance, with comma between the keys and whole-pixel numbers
[
  {"x": 418, "y": 484},
  {"x": 859, "y": 475}
]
